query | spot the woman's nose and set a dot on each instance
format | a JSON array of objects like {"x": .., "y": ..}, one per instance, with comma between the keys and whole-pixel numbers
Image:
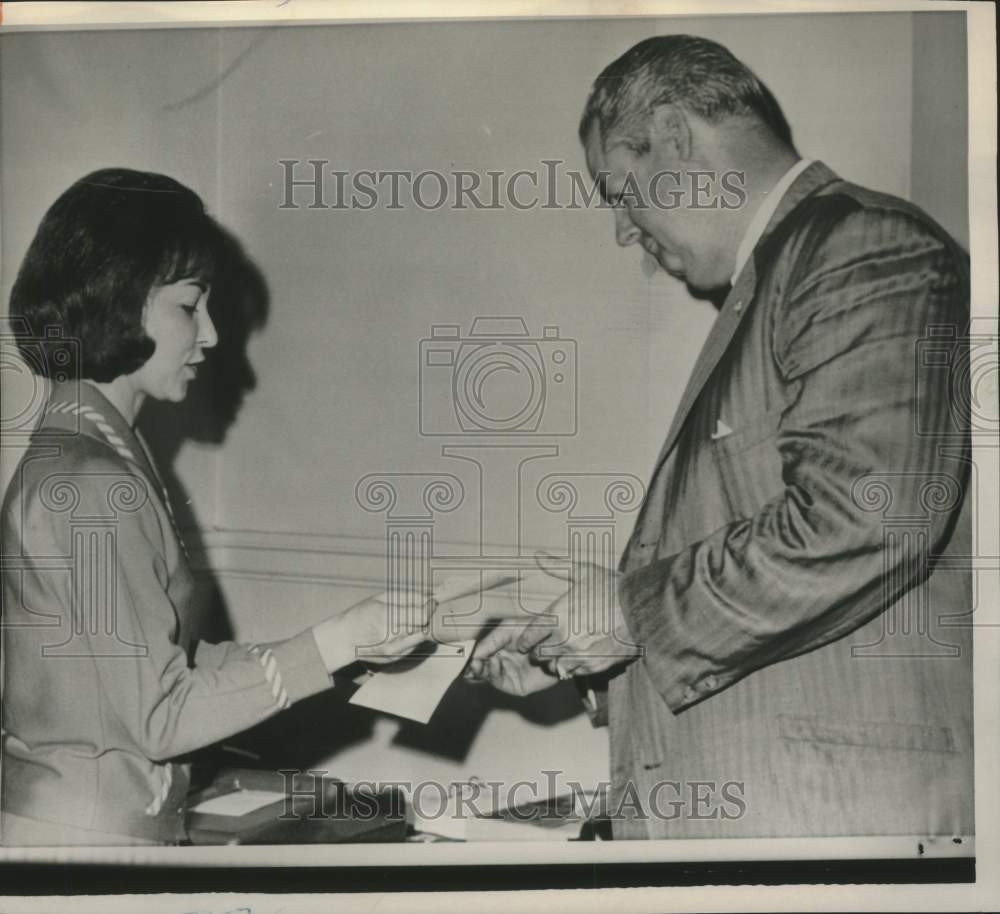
[
  {"x": 626, "y": 232},
  {"x": 207, "y": 334}
]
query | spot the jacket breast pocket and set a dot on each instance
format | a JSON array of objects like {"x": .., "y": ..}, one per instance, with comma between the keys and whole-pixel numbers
[{"x": 749, "y": 464}]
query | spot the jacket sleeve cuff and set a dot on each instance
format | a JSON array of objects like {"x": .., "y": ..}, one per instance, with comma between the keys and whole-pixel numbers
[
  {"x": 681, "y": 676},
  {"x": 302, "y": 670}
]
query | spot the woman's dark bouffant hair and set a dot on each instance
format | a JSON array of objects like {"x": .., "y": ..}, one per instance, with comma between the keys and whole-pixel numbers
[{"x": 99, "y": 251}]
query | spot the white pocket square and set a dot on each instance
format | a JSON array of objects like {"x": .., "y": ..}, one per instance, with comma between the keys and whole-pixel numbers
[{"x": 721, "y": 430}]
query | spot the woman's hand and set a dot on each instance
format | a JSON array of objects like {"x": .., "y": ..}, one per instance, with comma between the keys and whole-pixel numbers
[{"x": 378, "y": 630}]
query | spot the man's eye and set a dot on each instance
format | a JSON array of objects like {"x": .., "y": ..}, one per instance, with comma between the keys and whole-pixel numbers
[{"x": 190, "y": 309}]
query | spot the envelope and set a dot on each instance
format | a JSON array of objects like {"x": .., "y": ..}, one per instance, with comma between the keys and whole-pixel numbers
[{"x": 414, "y": 687}]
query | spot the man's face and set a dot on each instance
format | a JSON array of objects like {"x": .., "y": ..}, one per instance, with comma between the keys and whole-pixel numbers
[{"x": 652, "y": 196}]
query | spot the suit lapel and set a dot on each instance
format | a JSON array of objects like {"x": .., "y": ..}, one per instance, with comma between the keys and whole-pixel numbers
[
  {"x": 738, "y": 302},
  {"x": 712, "y": 350}
]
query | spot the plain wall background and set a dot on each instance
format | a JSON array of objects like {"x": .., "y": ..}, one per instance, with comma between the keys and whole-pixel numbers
[{"x": 879, "y": 97}]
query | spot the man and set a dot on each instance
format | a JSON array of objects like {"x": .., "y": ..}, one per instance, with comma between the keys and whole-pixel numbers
[{"x": 782, "y": 628}]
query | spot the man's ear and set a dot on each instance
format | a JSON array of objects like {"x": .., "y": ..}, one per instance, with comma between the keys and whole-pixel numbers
[{"x": 670, "y": 130}]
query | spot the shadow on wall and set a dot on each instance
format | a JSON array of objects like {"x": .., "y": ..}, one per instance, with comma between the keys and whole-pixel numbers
[{"x": 239, "y": 304}]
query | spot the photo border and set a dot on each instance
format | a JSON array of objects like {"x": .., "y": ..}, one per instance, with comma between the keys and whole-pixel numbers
[{"x": 630, "y": 863}]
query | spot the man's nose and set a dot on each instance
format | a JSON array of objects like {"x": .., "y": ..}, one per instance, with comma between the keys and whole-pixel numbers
[
  {"x": 208, "y": 337},
  {"x": 626, "y": 232}
]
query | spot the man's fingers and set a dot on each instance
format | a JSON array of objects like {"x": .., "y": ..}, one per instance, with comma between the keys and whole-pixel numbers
[
  {"x": 494, "y": 640},
  {"x": 494, "y": 669},
  {"x": 532, "y": 636},
  {"x": 569, "y": 667}
]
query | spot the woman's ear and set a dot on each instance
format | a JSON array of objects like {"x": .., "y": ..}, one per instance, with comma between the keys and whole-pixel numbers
[
  {"x": 144, "y": 314},
  {"x": 670, "y": 131}
]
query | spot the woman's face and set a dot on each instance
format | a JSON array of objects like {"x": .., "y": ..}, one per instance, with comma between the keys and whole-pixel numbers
[{"x": 176, "y": 319}]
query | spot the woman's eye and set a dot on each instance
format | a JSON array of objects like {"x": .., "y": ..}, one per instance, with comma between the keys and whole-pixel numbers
[{"x": 190, "y": 309}]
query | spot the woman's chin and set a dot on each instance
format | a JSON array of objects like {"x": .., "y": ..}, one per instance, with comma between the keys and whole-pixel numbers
[{"x": 176, "y": 394}]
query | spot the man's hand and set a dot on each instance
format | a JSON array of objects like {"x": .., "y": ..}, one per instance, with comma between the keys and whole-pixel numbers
[
  {"x": 584, "y": 630},
  {"x": 496, "y": 662}
]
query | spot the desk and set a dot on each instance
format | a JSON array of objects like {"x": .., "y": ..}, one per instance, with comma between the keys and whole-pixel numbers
[
  {"x": 324, "y": 810},
  {"x": 305, "y": 810}
]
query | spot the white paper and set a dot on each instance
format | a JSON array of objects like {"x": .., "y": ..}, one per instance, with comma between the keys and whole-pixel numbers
[
  {"x": 238, "y": 803},
  {"x": 415, "y": 691}
]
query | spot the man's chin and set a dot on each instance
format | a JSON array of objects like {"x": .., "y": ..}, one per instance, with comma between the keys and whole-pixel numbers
[
  {"x": 700, "y": 284},
  {"x": 675, "y": 270},
  {"x": 710, "y": 292}
]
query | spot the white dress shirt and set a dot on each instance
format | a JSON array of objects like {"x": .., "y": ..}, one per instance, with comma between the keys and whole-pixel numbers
[{"x": 763, "y": 215}]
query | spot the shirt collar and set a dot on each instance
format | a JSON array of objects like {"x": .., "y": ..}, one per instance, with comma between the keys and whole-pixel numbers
[{"x": 765, "y": 211}]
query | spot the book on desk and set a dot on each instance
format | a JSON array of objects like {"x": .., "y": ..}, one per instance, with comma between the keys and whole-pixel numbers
[{"x": 247, "y": 806}]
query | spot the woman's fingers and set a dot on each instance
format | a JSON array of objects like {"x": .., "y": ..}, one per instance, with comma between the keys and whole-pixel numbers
[
  {"x": 497, "y": 638},
  {"x": 409, "y": 610}
]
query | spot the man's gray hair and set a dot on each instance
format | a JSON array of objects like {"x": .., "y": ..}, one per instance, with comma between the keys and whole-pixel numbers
[{"x": 701, "y": 76}]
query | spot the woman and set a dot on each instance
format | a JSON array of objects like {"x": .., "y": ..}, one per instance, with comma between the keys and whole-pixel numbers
[{"x": 105, "y": 684}]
